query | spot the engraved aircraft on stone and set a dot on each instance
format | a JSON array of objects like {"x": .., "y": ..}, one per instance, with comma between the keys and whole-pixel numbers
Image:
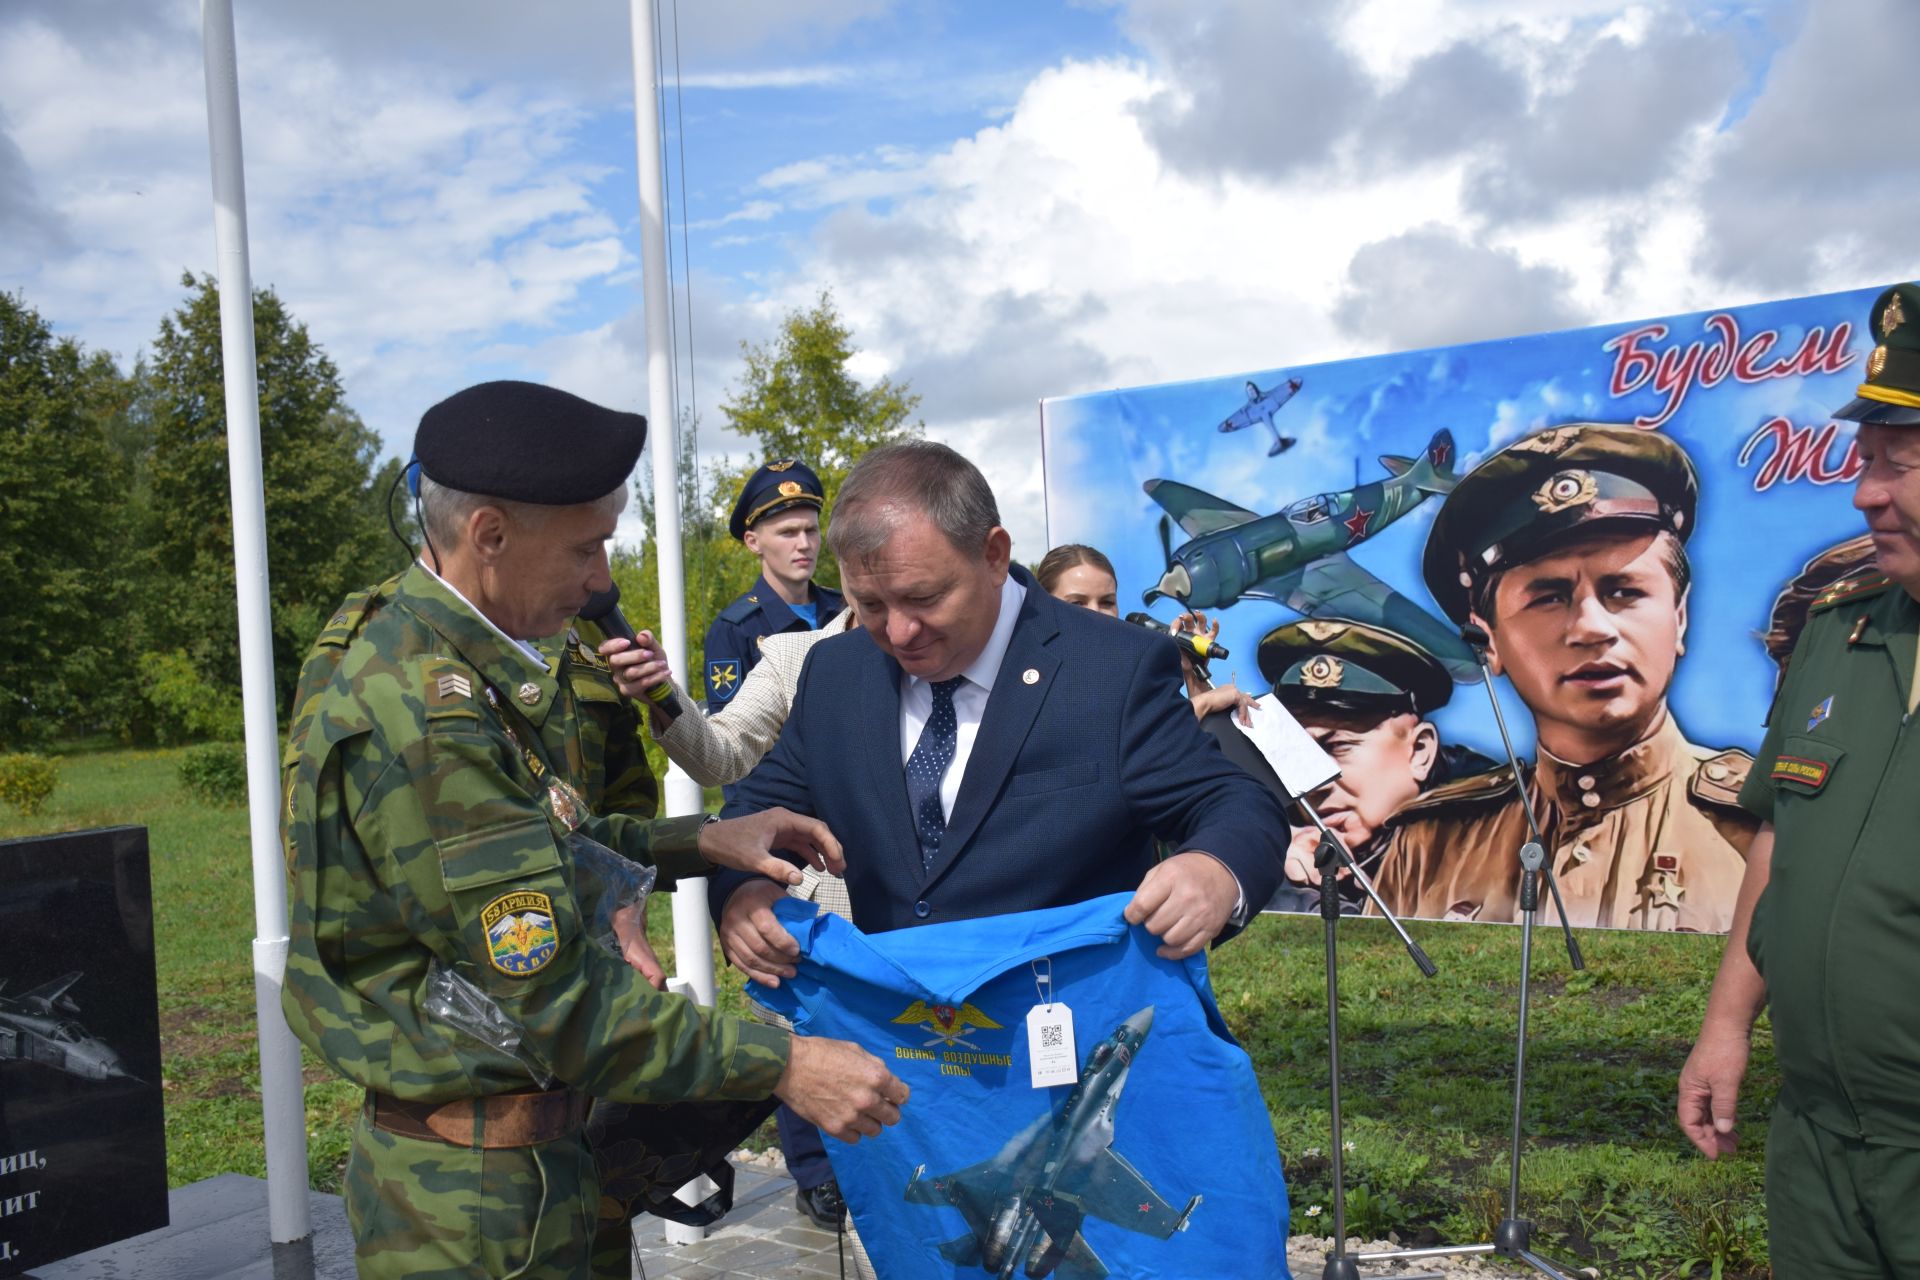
[{"x": 32, "y": 1029}]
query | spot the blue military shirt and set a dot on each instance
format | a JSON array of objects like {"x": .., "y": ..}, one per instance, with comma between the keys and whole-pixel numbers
[
  {"x": 733, "y": 641},
  {"x": 1159, "y": 1162}
]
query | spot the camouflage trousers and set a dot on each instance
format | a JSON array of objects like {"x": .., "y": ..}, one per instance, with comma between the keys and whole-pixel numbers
[{"x": 430, "y": 1210}]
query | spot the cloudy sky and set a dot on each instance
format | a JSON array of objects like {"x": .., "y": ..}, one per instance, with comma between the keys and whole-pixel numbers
[{"x": 1009, "y": 199}]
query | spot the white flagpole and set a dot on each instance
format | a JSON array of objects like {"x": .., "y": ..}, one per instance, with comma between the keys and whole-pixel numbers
[
  {"x": 282, "y": 1102},
  {"x": 692, "y": 933}
]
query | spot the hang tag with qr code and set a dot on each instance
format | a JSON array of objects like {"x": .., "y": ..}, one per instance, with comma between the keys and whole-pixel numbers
[
  {"x": 1050, "y": 1034},
  {"x": 1050, "y": 1046}
]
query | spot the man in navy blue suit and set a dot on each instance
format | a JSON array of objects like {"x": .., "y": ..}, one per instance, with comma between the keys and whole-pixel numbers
[{"x": 978, "y": 748}]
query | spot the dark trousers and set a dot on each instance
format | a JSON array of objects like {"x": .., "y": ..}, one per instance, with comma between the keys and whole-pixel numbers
[{"x": 806, "y": 1154}]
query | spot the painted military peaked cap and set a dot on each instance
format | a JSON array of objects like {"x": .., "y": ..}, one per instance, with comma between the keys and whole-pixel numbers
[
  {"x": 1891, "y": 394},
  {"x": 779, "y": 486},
  {"x": 1548, "y": 487},
  {"x": 528, "y": 443},
  {"x": 1351, "y": 666}
]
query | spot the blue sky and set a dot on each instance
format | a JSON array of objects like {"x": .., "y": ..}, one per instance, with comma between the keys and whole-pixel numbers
[{"x": 1008, "y": 200}]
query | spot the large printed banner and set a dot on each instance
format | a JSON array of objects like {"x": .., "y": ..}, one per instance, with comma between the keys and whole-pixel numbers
[{"x": 1639, "y": 515}]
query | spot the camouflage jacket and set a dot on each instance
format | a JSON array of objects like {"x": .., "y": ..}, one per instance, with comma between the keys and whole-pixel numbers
[
  {"x": 611, "y": 765},
  {"x": 420, "y": 824}
]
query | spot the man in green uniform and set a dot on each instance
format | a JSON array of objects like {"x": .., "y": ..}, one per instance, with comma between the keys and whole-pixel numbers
[
  {"x": 1828, "y": 928},
  {"x": 1364, "y": 693},
  {"x": 438, "y": 835},
  {"x": 1568, "y": 547}
]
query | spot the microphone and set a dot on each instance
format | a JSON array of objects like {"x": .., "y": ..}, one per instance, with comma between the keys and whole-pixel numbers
[
  {"x": 603, "y": 609},
  {"x": 1198, "y": 647}
]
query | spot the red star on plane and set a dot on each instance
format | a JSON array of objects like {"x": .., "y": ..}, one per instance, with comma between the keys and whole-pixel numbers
[{"x": 1357, "y": 522}]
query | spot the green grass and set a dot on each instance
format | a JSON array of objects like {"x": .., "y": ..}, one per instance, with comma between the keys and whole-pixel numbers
[{"x": 1427, "y": 1064}]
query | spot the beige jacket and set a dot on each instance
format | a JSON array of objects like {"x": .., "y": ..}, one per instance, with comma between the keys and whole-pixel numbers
[
  {"x": 722, "y": 748},
  {"x": 1653, "y": 838}
]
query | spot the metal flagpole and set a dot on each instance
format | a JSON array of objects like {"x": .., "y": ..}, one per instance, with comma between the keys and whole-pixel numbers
[
  {"x": 282, "y": 1102},
  {"x": 692, "y": 934}
]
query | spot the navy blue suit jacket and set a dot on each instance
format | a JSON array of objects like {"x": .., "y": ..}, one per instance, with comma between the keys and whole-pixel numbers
[{"x": 1071, "y": 779}]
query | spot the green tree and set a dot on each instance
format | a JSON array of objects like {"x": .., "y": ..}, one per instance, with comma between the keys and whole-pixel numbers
[
  {"x": 63, "y": 532},
  {"x": 797, "y": 399},
  {"x": 326, "y": 530}
]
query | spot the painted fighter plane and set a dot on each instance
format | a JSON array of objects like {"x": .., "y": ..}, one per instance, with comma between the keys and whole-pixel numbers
[
  {"x": 1298, "y": 556},
  {"x": 1024, "y": 1207},
  {"x": 32, "y": 1030},
  {"x": 1260, "y": 407}
]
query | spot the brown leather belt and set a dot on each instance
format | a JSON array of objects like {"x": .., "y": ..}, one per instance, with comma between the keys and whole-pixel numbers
[{"x": 518, "y": 1119}]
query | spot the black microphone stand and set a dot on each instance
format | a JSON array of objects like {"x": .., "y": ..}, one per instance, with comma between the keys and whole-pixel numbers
[
  {"x": 1330, "y": 856},
  {"x": 1513, "y": 1238}
]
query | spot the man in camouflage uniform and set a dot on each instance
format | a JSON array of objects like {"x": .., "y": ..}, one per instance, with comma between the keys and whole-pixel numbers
[
  {"x": 1568, "y": 547},
  {"x": 1828, "y": 929},
  {"x": 437, "y": 824}
]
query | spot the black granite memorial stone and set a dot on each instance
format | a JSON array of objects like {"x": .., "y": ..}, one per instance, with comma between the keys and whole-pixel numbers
[{"x": 83, "y": 1157}]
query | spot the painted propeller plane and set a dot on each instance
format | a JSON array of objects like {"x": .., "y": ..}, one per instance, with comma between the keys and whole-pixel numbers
[
  {"x": 1260, "y": 407},
  {"x": 1298, "y": 556}
]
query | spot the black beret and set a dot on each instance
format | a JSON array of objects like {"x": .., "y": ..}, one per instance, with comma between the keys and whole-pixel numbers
[
  {"x": 528, "y": 443},
  {"x": 776, "y": 487}
]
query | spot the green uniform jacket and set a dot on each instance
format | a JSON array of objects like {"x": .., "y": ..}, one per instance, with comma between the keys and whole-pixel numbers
[
  {"x": 1836, "y": 934},
  {"x": 414, "y": 821}
]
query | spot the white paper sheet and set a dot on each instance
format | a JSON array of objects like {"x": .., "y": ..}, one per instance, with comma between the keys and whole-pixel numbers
[{"x": 1288, "y": 747}]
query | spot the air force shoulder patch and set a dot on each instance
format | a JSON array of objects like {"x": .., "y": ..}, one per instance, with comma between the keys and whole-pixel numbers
[
  {"x": 723, "y": 680},
  {"x": 521, "y": 934}
]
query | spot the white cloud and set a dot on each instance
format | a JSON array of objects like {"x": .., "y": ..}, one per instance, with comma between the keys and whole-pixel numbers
[{"x": 767, "y": 78}]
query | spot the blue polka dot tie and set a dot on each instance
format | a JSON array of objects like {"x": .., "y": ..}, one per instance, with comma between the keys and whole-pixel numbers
[{"x": 928, "y": 765}]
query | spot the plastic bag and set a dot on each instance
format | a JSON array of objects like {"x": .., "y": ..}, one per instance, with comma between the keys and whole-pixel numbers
[
  {"x": 460, "y": 1004},
  {"x": 606, "y": 884}
]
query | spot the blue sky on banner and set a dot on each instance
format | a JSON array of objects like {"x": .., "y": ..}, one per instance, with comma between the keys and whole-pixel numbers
[
  {"x": 1746, "y": 391},
  {"x": 1009, "y": 200}
]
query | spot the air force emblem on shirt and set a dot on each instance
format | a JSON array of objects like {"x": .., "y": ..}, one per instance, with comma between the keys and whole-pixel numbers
[
  {"x": 723, "y": 679},
  {"x": 521, "y": 936},
  {"x": 1821, "y": 712},
  {"x": 949, "y": 1023}
]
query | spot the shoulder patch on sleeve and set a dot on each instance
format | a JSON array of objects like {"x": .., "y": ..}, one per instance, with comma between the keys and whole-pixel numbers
[
  {"x": 723, "y": 679},
  {"x": 522, "y": 933},
  {"x": 1718, "y": 778},
  {"x": 1850, "y": 588}
]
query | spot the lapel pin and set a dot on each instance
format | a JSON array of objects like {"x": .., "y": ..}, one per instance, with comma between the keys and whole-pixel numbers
[
  {"x": 528, "y": 693},
  {"x": 1030, "y": 676},
  {"x": 1859, "y": 629}
]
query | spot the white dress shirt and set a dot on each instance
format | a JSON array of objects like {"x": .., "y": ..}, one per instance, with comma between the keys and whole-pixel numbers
[{"x": 969, "y": 700}]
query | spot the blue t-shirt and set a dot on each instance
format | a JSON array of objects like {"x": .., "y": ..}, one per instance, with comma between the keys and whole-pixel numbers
[{"x": 1159, "y": 1163}]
